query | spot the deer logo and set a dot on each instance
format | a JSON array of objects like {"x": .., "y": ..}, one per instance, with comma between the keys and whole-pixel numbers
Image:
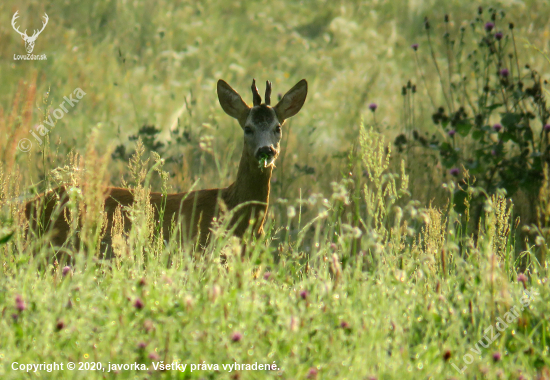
[{"x": 29, "y": 41}]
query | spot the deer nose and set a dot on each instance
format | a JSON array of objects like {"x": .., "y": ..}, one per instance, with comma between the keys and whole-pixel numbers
[{"x": 265, "y": 151}]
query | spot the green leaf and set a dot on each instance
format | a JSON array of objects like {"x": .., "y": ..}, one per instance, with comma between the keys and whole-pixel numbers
[
  {"x": 507, "y": 136},
  {"x": 4, "y": 239},
  {"x": 510, "y": 120},
  {"x": 463, "y": 128},
  {"x": 493, "y": 106},
  {"x": 477, "y": 134},
  {"x": 445, "y": 147}
]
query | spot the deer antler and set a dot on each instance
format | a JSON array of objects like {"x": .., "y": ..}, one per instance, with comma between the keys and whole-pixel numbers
[
  {"x": 255, "y": 95},
  {"x": 37, "y": 33},
  {"x": 15, "y": 17},
  {"x": 267, "y": 92}
]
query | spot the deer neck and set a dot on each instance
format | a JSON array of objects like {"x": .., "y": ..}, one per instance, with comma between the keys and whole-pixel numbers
[{"x": 252, "y": 183}]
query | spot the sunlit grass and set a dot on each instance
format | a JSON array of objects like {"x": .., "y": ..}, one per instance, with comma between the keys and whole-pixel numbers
[{"x": 365, "y": 271}]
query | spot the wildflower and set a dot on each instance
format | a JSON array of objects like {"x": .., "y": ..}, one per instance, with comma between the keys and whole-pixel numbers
[
  {"x": 60, "y": 325},
  {"x": 489, "y": 26},
  {"x": 142, "y": 282},
  {"x": 154, "y": 356},
  {"x": 19, "y": 303},
  {"x": 451, "y": 133},
  {"x": 504, "y": 73},
  {"x": 415, "y": 47},
  {"x": 66, "y": 270},
  {"x": 523, "y": 279},
  {"x": 142, "y": 345},
  {"x": 497, "y": 356},
  {"x": 138, "y": 304},
  {"x": 344, "y": 325},
  {"x": 236, "y": 336},
  {"x": 547, "y": 127},
  {"x": 148, "y": 325},
  {"x": 498, "y": 36},
  {"x": 312, "y": 373},
  {"x": 373, "y": 107},
  {"x": 304, "y": 294},
  {"x": 497, "y": 127},
  {"x": 447, "y": 355},
  {"x": 454, "y": 172},
  {"x": 267, "y": 275}
]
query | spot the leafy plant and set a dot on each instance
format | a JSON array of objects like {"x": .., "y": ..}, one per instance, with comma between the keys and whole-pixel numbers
[{"x": 494, "y": 122}]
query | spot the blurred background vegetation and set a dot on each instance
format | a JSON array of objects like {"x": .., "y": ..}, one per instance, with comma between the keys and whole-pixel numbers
[{"x": 156, "y": 64}]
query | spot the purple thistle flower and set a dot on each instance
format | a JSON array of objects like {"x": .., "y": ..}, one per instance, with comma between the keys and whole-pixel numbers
[
  {"x": 304, "y": 294},
  {"x": 312, "y": 373},
  {"x": 547, "y": 127},
  {"x": 489, "y": 26},
  {"x": 373, "y": 106},
  {"x": 236, "y": 336},
  {"x": 60, "y": 325},
  {"x": 415, "y": 47},
  {"x": 154, "y": 356},
  {"x": 504, "y": 73},
  {"x": 142, "y": 345},
  {"x": 267, "y": 275},
  {"x": 344, "y": 325},
  {"x": 66, "y": 270},
  {"x": 138, "y": 304},
  {"x": 499, "y": 35},
  {"x": 523, "y": 279},
  {"x": 497, "y": 356},
  {"x": 497, "y": 127},
  {"x": 454, "y": 172},
  {"x": 447, "y": 355},
  {"x": 19, "y": 303},
  {"x": 451, "y": 133},
  {"x": 142, "y": 282}
]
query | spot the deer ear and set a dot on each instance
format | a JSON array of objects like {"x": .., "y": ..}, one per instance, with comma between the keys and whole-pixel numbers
[
  {"x": 292, "y": 102},
  {"x": 231, "y": 101}
]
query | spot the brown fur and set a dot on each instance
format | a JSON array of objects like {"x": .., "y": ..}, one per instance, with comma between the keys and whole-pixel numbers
[
  {"x": 202, "y": 206},
  {"x": 196, "y": 210}
]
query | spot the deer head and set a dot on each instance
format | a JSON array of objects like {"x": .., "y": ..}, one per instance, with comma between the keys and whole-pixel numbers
[
  {"x": 29, "y": 41},
  {"x": 261, "y": 123}
]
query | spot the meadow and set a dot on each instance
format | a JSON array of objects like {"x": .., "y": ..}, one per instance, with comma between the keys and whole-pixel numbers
[{"x": 409, "y": 216}]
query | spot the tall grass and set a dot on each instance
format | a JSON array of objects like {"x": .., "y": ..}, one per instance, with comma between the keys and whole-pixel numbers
[{"x": 365, "y": 271}]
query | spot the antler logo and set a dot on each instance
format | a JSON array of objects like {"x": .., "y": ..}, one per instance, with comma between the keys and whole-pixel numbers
[{"x": 29, "y": 41}]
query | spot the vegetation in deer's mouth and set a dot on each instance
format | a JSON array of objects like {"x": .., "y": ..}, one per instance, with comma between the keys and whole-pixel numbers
[{"x": 263, "y": 162}]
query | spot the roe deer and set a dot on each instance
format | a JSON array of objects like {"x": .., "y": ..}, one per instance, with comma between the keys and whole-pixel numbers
[{"x": 261, "y": 125}]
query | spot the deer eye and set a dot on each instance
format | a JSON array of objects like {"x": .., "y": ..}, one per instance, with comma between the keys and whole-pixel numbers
[
  {"x": 278, "y": 129},
  {"x": 248, "y": 130}
]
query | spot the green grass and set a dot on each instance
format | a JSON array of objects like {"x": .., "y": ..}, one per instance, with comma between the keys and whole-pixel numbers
[{"x": 364, "y": 271}]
